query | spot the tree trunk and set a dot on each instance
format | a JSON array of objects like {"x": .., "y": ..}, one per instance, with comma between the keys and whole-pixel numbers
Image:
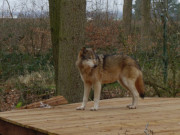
[
  {"x": 145, "y": 23},
  {"x": 127, "y": 14},
  {"x": 138, "y": 10},
  {"x": 71, "y": 26},
  {"x": 54, "y": 12}
]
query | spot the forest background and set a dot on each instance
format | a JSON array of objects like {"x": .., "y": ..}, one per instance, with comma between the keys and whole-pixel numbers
[{"x": 148, "y": 31}]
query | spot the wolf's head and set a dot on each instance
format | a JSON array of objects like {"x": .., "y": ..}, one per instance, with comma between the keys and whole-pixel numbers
[{"x": 88, "y": 57}]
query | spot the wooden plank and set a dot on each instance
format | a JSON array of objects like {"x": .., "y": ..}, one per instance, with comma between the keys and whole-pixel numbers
[
  {"x": 162, "y": 114},
  {"x": 58, "y": 100},
  {"x": 7, "y": 128}
]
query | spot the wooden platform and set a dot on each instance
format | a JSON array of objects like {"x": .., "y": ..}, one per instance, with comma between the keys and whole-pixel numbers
[{"x": 113, "y": 118}]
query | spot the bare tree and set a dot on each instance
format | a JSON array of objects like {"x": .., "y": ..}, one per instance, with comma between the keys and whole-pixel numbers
[
  {"x": 127, "y": 14},
  {"x": 145, "y": 22},
  {"x": 9, "y": 7}
]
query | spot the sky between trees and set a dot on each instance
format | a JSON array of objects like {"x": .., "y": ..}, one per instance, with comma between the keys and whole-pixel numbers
[
  {"x": 115, "y": 6},
  {"x": 37, "y": 4}
]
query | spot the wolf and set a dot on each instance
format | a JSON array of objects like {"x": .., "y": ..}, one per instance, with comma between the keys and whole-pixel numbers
[{"x": 96, "y": 70}]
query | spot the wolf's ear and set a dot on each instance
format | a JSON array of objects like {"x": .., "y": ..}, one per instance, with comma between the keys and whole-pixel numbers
[
  {"x": 94, "y": 50},
  {"x": 83, "y": 49},
  {"x": 81, "y": 53}
]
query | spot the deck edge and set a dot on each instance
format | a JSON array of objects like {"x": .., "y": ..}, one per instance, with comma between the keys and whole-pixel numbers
[{"x": 11, "y": 123}]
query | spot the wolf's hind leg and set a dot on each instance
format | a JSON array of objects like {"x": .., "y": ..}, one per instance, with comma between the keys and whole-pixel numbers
[
  {"x": 97, "y": 92},
  {"x": 130, "y": 85},
  {"x": 87, "y": 88},
  {"x": 133, "y": 90}
]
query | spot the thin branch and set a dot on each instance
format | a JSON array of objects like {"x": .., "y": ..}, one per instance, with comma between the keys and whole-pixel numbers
[{"x": 9, "y": 9}]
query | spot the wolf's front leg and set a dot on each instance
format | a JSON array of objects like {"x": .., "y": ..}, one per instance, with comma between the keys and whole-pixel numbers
[
  {"x": 97, "y": 92},
  {"x": 87, "y": 88}
]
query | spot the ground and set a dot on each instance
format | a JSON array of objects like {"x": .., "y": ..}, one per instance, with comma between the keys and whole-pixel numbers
[{"x": 153, "y": 116}]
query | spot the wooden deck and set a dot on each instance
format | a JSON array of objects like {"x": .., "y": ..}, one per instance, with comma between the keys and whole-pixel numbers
[{"x": 113, "y": 118}]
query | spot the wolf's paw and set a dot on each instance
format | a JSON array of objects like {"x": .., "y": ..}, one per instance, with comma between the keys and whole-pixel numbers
[
  {"x": 93, "y": 109},
  {"x": 80, "y": 108},
  {"x": 131, "y": 106}
]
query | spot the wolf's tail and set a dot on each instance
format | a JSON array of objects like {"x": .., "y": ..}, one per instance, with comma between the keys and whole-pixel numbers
[{"x": 140, "y": 85}]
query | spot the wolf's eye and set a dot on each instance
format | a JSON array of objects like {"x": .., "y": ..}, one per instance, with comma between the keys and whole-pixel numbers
[
  {"x": 88, "y": 57},
  {"x": 85, "y": 57},
  {"x": 85, "y": 51}
]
